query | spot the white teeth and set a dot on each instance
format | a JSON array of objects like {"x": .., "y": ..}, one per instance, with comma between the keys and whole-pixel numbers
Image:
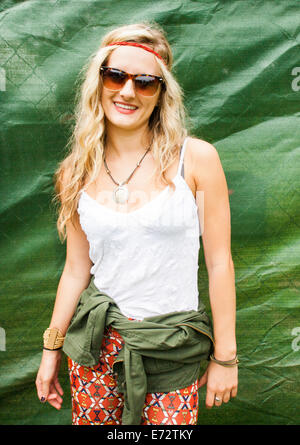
[{"x": 127, "y": 107}]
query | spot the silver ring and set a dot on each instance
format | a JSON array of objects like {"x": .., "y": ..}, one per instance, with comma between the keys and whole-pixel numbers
[{"x": 217, "y": 399}]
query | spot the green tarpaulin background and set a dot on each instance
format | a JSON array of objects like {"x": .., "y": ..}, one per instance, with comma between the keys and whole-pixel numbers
[{"x": 239, "y": 65}]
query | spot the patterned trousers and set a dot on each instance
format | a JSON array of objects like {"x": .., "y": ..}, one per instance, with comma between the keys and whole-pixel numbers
[{"x": 96, "y": 401}]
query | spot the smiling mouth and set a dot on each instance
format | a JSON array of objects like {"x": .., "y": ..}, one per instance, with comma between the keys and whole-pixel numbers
[{"x": 125, "y": 107}]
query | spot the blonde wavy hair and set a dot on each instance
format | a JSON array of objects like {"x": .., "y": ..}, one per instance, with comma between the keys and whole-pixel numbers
[{"x": 86, "y": 145}]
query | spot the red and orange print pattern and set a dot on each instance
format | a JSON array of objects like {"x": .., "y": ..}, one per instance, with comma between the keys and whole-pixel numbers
[{"x": 96, "y": 401}]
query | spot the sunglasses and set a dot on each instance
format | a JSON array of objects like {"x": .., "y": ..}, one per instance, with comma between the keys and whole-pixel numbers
[{"x": 144, "y": 84}]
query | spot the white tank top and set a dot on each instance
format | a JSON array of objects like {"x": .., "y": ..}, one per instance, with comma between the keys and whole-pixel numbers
[{"x": 147, "y": 259}]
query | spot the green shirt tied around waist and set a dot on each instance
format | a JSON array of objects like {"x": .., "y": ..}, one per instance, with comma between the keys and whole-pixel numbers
[{"x": 160, "y": 354}]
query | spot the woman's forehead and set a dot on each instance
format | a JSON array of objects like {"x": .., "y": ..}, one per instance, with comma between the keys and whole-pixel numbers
[{"x": 134, "y": 60}]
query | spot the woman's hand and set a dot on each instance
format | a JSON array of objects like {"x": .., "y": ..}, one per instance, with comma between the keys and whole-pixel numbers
[
  {"x": 221, "y": 382},
  {"x": 47, "y": 384}
]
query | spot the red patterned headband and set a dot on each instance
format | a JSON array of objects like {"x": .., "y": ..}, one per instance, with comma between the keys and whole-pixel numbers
[{"x": 140, "y": 46}]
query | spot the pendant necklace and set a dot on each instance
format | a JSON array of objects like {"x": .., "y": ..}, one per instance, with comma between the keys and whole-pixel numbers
[{"x": 121, "y": 193}]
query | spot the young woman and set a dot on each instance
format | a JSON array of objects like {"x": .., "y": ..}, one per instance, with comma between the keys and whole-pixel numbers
[{"x": 136, "y": 192}]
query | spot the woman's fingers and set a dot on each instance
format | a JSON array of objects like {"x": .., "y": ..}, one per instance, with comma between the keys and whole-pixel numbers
[
  {"x": 39, "y": 389},
  {"x": 215, "y": 398},
  {"x": 47, "y": 384},
  {"x": 221, "y": 385},
  {"x": 54, "y": 399},
  {"x": 234, "y": 391},
  {"x": 218, "y": 399},
  {"x": 43, "y": 387},
  {"x": 54, "y": 402},
  {"x": 210, "y": 398},
  {"x": 58, "y": 387},
  {"x": 203, "y": 380},
  {"x": 226, "y": 397},
  {"x": 50, "y": 393},
  {"x": 55, "y": 396}
]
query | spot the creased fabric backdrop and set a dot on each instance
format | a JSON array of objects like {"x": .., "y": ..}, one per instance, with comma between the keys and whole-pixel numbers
[{"x": 239, "y": 65}]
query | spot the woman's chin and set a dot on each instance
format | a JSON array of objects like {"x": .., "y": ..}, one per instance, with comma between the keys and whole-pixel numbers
[{"x": 125, "y": 123}]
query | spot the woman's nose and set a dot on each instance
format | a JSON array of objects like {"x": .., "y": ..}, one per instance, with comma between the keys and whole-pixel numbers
[{"x": 128, "y": 89}]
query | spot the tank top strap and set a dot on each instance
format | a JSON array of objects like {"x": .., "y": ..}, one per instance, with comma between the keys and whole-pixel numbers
[{"x": 181, "y": 165}]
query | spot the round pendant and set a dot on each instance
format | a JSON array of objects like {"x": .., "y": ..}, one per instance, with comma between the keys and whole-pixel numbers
[{"x": 121, "y": 194}]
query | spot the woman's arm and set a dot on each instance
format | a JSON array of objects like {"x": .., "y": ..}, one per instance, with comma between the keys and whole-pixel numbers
[
  {"x": 214, "y": 216},
  {"x": 74, "y": 279}
]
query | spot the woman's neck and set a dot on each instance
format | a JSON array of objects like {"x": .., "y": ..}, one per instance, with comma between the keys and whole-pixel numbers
[{"x": 122, "y": 144}]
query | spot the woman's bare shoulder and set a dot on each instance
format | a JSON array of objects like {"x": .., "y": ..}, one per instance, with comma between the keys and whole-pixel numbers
[
  {"x": 204, "y": 159},
  {"x": 201, "y": 150}
]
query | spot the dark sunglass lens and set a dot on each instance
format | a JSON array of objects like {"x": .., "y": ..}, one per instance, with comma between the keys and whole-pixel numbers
[
  {"x": 146, "y": 85},
  {"x": 113, "y": 79}
]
